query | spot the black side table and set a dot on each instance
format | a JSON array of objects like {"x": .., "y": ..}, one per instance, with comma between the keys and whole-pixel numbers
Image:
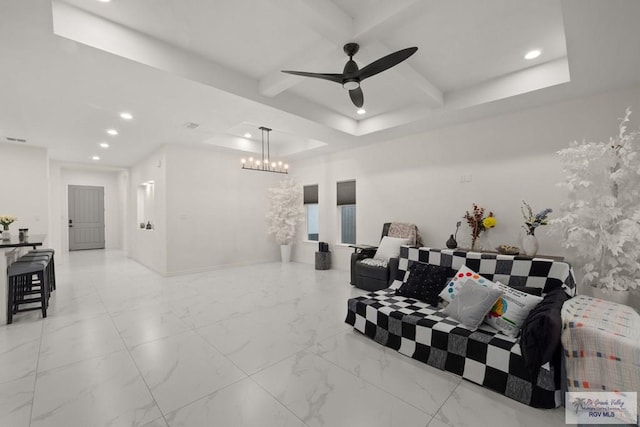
[{"x": 323, "y": 260}]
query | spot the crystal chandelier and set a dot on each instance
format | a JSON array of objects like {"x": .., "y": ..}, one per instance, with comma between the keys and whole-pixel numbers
[{"x": 264, "y": 164}]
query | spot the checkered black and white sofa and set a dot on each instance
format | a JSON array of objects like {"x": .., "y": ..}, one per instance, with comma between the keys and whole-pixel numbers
[{"x": 484, "y": 356}]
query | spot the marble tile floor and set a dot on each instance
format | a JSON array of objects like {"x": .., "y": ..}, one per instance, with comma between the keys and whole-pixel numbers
[{"x": 262, "y": 345}]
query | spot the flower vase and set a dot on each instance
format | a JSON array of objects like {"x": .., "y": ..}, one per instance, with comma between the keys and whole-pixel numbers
[
  {"x": 285, "y": 253},
  {"x": 484, "y": 242},
  {"x": 6, "y": 235},
  {"x": 476, "y": 244},
  {"x": 530, "y": 245},
  {"x": 451, "y": 243}
]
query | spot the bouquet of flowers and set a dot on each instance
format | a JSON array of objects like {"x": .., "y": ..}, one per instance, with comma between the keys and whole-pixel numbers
[
  {"x": 5, "y": 220},
  {"x": 531, "y": 221},
  {"x": 478, "y": 222}
]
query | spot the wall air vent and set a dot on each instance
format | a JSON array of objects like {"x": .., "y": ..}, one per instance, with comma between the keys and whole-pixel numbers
[
  {"x": 191, "y": 125},
  {"x": 12, "y": 139}
]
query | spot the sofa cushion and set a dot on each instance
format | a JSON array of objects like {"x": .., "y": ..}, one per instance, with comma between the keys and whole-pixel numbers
[
  {"x": 372, "y": 271},
  {"x": 465, "y": 273},
  {"x": 510, "y": 311},
  {"x": 425, "y": 282},
  {"x": 472, "y": 303},
  {"x": 389, "y": 248}
]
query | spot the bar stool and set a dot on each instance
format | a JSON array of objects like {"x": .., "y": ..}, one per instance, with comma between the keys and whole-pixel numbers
[
  {"x": 45, "y": 258},
  {"x": 52, "y": 264},
  {"x": 21, "y": 286}
]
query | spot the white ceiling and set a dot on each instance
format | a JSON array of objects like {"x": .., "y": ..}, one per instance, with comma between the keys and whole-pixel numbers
[{"x": 68, "y": 67}]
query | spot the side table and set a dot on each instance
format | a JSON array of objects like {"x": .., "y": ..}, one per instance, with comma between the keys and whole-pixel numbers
[{"x": 323, "y": 260}]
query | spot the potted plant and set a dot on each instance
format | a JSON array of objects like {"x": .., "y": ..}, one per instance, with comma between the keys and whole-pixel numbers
[
  {"x": 601, "y": 215},
  {"x": 6, "y": 220},
  {"x": 285, "y": 212}
]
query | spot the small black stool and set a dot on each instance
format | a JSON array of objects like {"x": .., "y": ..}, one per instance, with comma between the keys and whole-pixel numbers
[
  {"x": 22, "y": 287},
  {"x": 46, "y": 255},
  {"x": 52, "y": 264}
]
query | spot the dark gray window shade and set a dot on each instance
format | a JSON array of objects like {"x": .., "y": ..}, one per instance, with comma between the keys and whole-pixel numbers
[
  {"x": 346, "y": 193},
  {"x": 310, "y": 194}
]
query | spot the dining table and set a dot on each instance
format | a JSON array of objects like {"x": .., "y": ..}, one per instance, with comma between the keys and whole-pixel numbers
[{"x": 10, "y": 250}]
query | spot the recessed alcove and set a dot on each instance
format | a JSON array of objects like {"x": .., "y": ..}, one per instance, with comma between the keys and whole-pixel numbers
[{"x": 145, "y": 212}]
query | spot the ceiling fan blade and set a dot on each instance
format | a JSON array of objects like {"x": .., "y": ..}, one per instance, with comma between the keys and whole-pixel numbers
[
  {"x": 357, "y": 97},
  {"x": 386, "y": 62},
  {"x": 325, "y": 76}
]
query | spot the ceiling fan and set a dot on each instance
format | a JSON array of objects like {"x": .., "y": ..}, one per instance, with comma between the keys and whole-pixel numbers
[{"x": 352, "y": 76}]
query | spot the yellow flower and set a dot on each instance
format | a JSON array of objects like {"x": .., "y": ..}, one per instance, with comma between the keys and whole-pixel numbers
[{"x": 489, "y": 222}]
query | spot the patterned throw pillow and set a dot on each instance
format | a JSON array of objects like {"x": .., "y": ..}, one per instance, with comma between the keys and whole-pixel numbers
[
  {"x": 465, "y": 273},
  {"x": 472, "y": 303},
  {"x": 511, "y": 310},
  {"x": 425, "y": 282}
]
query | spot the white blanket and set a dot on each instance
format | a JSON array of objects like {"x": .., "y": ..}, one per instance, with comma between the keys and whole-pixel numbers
[{"x": 601, "y": 341}]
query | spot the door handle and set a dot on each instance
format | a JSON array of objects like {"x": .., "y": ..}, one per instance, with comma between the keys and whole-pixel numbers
[{"x": 70, "y": 223}]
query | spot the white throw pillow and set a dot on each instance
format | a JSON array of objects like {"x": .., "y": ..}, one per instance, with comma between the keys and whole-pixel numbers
[
  {"x": 465, "y": 273},
  {"x": 389, "y": 248},
  {"x": 511, "y": 310}
]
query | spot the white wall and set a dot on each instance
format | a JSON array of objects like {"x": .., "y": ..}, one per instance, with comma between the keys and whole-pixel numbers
[
  {"x": 123, "y": 208},
  {"x": 24, "y": 191},
  {"x": 63, "y": 175},
  {"x": 417, "y": 178},
  {"x": 215, "y": 211},
  {"x": 149, "y": 247}
]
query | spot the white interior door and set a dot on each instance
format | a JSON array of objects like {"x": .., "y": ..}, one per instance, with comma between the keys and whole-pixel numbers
[{"x": 86, "y": 217}]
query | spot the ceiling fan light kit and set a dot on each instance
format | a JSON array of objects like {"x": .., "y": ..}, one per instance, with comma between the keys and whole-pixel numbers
[{"x": 352, "y": 76}]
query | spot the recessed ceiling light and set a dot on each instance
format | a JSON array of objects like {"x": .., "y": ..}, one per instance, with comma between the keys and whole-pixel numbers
[
  {"x": 532, "y": 54},
  {"x": 95, "y": 158},
  {"x": 361, "y": 111},
  {"x": 126, "y": 116},
  {"x": 104, "y": 1},
  {"x": 247, "y": 135},
  {"x": 104, "y": 145},
  {"x": 112, "y": 132}
]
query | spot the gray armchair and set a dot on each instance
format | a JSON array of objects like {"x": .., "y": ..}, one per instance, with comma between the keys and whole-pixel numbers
[{"x": 373, "y": 277}]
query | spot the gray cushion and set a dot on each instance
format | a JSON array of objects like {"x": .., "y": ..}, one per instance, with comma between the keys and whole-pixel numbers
[
  {"x": 472, "y": 303},
  {"x": 26, "y": 267}
]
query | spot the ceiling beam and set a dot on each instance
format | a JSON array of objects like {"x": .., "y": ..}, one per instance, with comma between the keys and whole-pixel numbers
[
  {"x": 433, "y": 96},
  {"x": 325, "y": 18},
  {"x": 313, "y": 57}
]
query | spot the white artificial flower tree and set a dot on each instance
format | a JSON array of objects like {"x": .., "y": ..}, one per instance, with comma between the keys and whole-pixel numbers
[
  {"x": 285, "y": 211},
  {"x": 601, "y": 217}
]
